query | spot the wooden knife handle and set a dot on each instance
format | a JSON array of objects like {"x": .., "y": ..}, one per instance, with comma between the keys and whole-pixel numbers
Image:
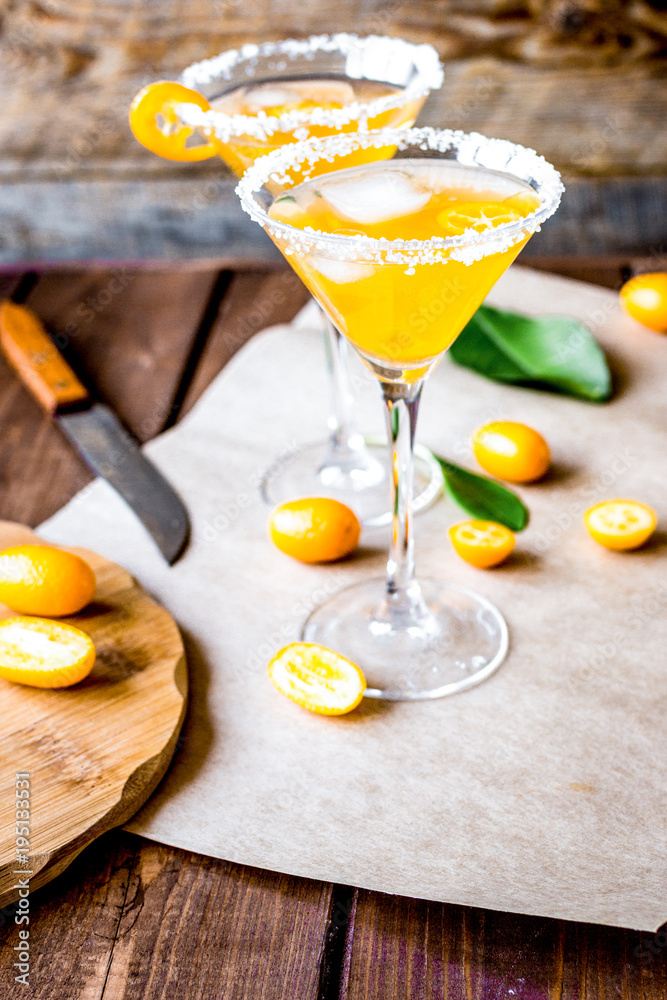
[{"x": 30, "y": 350}]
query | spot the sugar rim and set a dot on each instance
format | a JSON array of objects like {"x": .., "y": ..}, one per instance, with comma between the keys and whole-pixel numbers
[
  {"x": 473, "y": 150},
  {"x": 429, "y": 77}
]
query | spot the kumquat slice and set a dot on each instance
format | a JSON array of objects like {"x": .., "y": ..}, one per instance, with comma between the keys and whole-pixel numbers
[
  {"x": 44, "y": 654},
  {"x": 620, "y": 525},
  {"x": 156, "y": 125},
  {"x": 317, "y": 678},
  {"x": 482, "y": 543}
]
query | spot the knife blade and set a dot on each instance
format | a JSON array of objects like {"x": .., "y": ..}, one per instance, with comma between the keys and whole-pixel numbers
[{"x": 94, "y": 429}]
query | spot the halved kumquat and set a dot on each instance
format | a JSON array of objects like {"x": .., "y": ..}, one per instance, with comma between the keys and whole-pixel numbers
[
  {"x": 44, "y": 654},
  {"x": 482, "y": 543},
  {"x": 317, "y": 678},
  {"x": 482, "y": 215},
  {"x": 156, "y": 125},
  {"x": 620, "y": 524}
]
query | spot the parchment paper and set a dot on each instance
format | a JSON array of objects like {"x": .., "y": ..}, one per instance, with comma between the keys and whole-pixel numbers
[{"x": 541, "y": 790}]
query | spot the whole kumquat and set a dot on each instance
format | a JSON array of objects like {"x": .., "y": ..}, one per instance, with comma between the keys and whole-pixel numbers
[
  {"x": 156, "y": 125},
  {"x": 314, "y": 529},
  {"x": 645, "y": 299},
  {"x": 42, "y": 580},
  {"x": 511, "y": 451}
]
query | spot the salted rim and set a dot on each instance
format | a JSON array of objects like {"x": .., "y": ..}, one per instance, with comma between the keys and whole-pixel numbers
[
  {"x": 473, "y": 150},
  {"x": 429, "y": 76}
]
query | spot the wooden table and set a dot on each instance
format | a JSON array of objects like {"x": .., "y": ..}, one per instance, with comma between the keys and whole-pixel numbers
[
  {"x": 131, "y": 919},
  {"x": 581, "y": 81}
]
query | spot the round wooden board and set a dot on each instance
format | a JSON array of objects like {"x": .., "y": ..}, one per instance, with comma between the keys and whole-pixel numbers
[{"x": 95, "y": 751}]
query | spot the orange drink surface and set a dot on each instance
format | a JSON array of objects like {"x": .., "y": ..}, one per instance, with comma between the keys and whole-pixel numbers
[
  {"x": 275, "y": 98},
  {"x": 402, "y": 306}
]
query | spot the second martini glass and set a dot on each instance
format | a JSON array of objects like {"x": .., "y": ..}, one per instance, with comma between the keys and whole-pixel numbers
[
  {"x": 258, "y": 98},
  {"x": 437, "y": 225}
]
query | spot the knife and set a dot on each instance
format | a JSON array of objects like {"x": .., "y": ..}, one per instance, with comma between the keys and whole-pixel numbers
[{"x": 93, "y": 429}]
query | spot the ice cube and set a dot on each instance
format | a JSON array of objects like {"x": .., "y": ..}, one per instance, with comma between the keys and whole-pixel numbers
[
  {"x": 292, "y": 93},
  {"x": 285, "y": 96},
  {"x": 229, "y": 104},
  {"x": 445, "y": 175},
  {"x": 342, "y": 272},
  {"x": 270, "y": 97},
  {"x": 324, "y": 92},
  {"x": 285, "y": 209},
  {"x": 375, "y": 196}
]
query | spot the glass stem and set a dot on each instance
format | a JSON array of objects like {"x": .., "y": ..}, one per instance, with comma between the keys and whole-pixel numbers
[
  {"x": 401, "y": 408},
  {"x": 344, "y": 438}
]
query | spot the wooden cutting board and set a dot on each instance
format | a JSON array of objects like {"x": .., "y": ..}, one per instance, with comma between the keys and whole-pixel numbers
[{"x": 96, "y": 751}]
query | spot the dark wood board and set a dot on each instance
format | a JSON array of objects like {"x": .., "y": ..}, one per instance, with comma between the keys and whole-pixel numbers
[
  {"x": 128, "y": 331},
  {"x": 39, "y": 470},
  {"x": 403, "y": 949},
  {"x": 582, "y": 82},
  {"x": 198, "y": 927},
  {"x": 129, "y": 335},
  {"x": 254, "y": 301},
  {"x": 136, "y": 221},
  {"x": 200, "y": 221},
  {"x": 74, "y": 923},
  {"x": 611, "y": 272},
  {"x": 588, "y": 103},
  {"x": 139, "y": 921}
]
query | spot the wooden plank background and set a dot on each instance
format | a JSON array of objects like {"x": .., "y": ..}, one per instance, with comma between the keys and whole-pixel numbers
[
  {"x": 197, "y": 222},
  {"x": 581, "y": 80},
  {"x": 586, "y": 72}
]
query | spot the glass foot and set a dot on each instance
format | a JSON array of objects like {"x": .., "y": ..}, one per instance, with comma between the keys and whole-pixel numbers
[
  {"x": 458, "y": 639},
  {"x": 364, "y": 486}
]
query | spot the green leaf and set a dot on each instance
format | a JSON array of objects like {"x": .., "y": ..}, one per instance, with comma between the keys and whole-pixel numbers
[
  {"x": 557, "y": 353},
  {"x": 484, "y": 498}
]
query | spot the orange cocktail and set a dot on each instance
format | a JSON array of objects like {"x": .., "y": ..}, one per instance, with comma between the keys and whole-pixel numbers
[
  {"x": 245, "y": 103},
  {"x": 272, "y": 111},
  {"x": 400, "y": 253},
  {"x": 393, "y": 314}
]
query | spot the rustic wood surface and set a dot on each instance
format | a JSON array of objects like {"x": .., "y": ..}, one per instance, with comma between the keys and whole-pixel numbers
[
  {"x": 432, "y": 951},
  {"x": 132, "y": 920},
  {"x": 582, "y": 81},
  {"x": 96, "y": 752},
  {"x": 163, "y": 330},
  {"x": 589, "y": 121},
  {"x": 199, "y": 221}
]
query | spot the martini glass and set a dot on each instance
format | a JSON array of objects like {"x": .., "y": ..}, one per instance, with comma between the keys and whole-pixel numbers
[
  {"x": 262, "y": 97},
  {"x": 485, "y": 197}
]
